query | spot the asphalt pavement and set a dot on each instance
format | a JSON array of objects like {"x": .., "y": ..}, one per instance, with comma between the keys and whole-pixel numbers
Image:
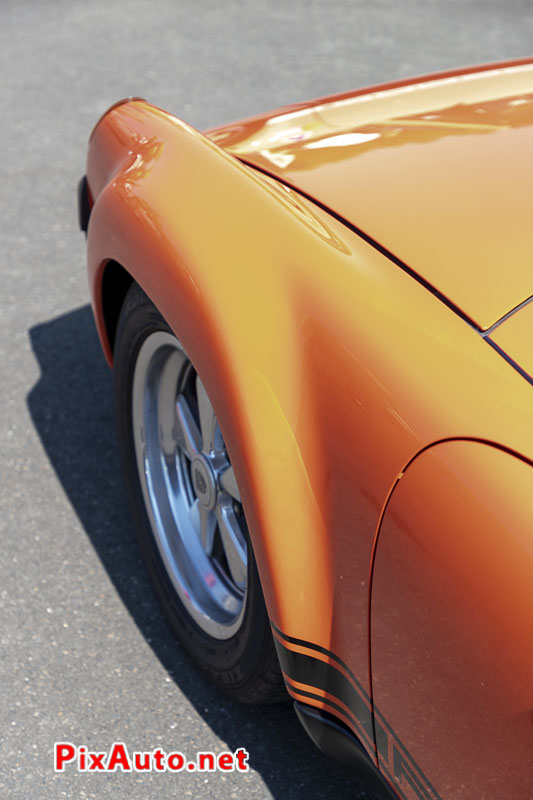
[{"x": 85, "y": 654}]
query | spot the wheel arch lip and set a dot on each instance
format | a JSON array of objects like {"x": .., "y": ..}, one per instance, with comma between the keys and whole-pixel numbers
[
  {"x": 129, "y": 163},
  {"x": 112, "y": 281},
  {"x": 212, "y": 362}
]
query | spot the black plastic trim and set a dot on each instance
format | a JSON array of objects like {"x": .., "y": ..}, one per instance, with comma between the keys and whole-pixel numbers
[
  {"x": 337, "y": 742},
  {"x": 84, "y": 204}
]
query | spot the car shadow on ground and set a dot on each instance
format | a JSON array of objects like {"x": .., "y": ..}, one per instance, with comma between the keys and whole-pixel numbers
[{"x": 72, "y": 410}]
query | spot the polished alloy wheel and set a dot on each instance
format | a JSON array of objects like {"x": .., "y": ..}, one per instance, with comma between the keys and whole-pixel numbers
[{"x": 189, "y": 487}]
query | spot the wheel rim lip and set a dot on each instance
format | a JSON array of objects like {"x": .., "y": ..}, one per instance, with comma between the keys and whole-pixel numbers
[{"x": 212, "y": 600}]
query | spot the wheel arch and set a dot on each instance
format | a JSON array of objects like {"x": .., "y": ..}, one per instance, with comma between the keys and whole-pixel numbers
[{"x": 153, "y": 223}]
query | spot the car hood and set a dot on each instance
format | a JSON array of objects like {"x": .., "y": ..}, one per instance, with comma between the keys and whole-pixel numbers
[{"x": 439, "y": 171}]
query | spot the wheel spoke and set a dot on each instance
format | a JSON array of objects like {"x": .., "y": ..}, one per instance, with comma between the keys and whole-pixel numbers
[
  {"x": 166, "y": 412},
  {"x": 208, "y": 422},
  {"x": 208, "y": 525},
  {"x": 229, "y": 484},
  {"x": 233, "y": 543},
  {"x": 188, "y": 487},
  {"x": 189, "y": 439}
]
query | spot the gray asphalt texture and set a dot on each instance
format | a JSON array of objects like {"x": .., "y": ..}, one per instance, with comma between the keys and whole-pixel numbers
[{"x": 85, "y": 654}]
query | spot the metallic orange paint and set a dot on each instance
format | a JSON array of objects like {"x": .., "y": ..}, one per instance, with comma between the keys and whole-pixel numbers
[
  {"x": 329, "y": 367},
  {"x": 452, "y": 621},
  {"x": 425, "y": 169}
]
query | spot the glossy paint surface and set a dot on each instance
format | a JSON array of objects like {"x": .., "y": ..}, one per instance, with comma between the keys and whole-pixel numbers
[
  {"x": 428, "y": 170},
  {"x": 329, "y": 368},
  {"x": 452, "y": 624}
]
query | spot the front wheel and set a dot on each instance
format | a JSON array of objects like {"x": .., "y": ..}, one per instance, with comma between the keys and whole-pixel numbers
[{"x": 187, "y": 508}]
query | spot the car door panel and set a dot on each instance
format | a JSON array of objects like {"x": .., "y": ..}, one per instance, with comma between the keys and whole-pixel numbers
[{"x": 452, "y": 626}]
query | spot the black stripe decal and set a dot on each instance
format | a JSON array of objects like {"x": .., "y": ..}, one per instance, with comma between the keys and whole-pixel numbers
[
  {"x": 329, "y": 703},
  {"x": 395, "y": 761},
  {"x": 401, "y": 760},
  {"x": 325, "y": 652},
  {"x": 314, "y": 672}
]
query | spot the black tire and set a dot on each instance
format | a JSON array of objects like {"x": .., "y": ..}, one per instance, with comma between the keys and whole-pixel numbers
[{"x": 244, "y": 666}]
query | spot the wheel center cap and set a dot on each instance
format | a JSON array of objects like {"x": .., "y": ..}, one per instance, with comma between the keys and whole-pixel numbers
[{"x": 203, "y": 482}]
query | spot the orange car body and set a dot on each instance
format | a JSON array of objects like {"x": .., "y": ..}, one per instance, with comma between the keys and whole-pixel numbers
[{"x": 342, "y": 274}]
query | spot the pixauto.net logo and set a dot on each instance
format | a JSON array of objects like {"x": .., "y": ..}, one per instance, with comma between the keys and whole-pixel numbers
[{"x": 81, "y": 759}]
